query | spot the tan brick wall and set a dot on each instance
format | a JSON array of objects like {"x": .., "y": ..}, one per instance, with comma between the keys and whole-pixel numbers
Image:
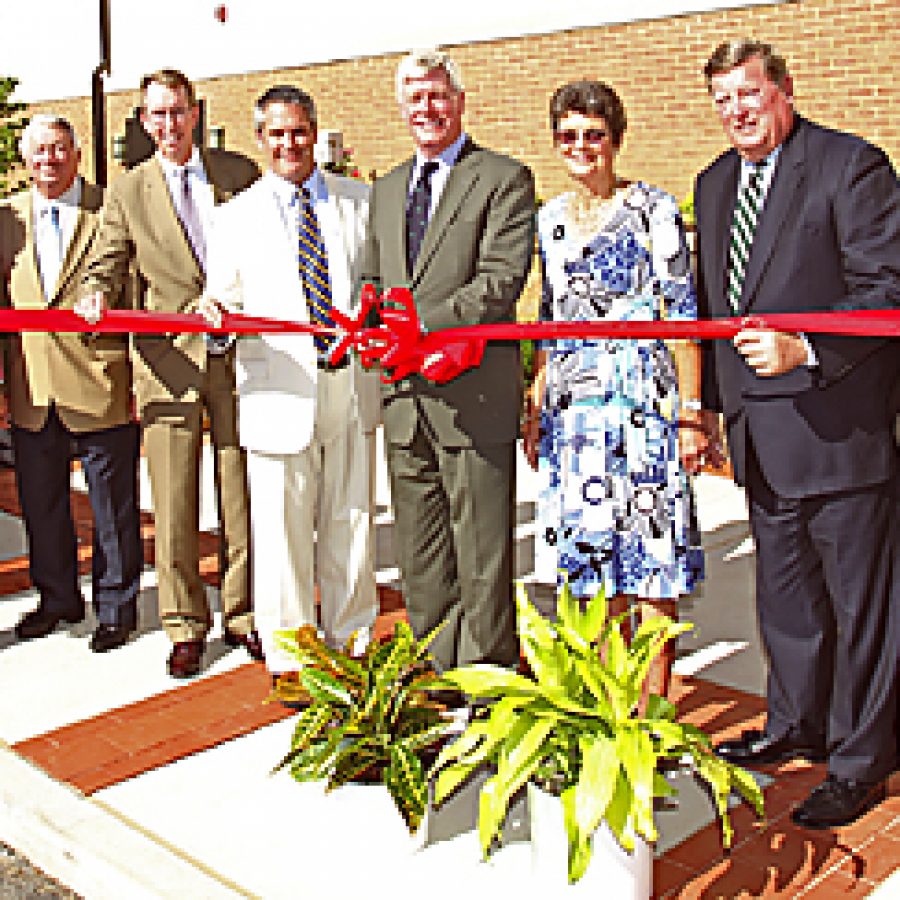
[{"x": 844, "y": 56}]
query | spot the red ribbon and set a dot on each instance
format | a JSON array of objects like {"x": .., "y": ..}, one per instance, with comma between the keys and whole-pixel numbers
[
  {"x": 121, "y": 321},
  {"x": 401, "y": 348}
]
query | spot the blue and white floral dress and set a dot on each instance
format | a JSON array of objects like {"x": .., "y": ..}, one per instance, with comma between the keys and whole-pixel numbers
[{"x": 615, "y": 506}]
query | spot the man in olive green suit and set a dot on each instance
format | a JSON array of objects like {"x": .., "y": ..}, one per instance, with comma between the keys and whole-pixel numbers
[
  {"x": 154, "y": 224},
  {"x": 455, "y": 223},
  {"x": 65, "y": 391}
]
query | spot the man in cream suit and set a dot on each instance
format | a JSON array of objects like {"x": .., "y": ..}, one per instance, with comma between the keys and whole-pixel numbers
[
  {"x": 155, "y": 224},
  {"x": 288, "y": 248},
  {"x": 65, "y": 390},
  {"x": 456, "y": 222}
]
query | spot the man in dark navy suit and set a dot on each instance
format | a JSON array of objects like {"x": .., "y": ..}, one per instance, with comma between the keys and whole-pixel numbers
[{"x": 798, "y": 218}]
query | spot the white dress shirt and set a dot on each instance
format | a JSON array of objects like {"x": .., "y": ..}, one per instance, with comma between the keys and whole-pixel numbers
[
  {"x": 201, "y": 189},
  {"x": 768, "y": 166},
  {"x": 286, "y": 194},
  {"x": 50, "y": 244},
  {"x": 445, "y": 160}
]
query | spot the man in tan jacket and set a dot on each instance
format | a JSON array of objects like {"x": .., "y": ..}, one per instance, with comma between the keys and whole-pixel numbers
[
  {"x": 65, "y": 391},
  {"x": 154, "y": 223}
]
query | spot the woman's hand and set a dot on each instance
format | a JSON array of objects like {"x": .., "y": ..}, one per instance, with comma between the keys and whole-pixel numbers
[
  {"x": 531, "y": 432},
  {"x": 692, "y": 441}
]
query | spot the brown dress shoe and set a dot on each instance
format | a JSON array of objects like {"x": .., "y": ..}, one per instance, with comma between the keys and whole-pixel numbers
[
  {"x": 250, "y": 642},
  {"x": 184, "y": 660}
]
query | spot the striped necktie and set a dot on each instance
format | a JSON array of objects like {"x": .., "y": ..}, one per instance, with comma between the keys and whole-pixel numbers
[
  {"x": 417, "y": 214},
  {"x": 312, "y": 259},
  {"x": 743, "y": 227}
]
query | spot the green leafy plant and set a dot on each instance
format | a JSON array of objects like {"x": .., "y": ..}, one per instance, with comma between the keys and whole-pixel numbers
[
  {"x": 345, "y": 165},
  {"x": 366, "y": 718},
  {"x": 576, "y": 727},
  {"x": 11, "y": 127}
]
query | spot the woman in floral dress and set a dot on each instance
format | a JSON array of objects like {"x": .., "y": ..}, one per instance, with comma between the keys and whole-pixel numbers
[{"x": 605, "y": 418}]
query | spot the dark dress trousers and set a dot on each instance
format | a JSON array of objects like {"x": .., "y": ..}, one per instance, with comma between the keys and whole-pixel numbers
[
  {"x": 451, "y": 447},
  {"x": 815, "y": 447},
  {"x": 69, "y": 395}
]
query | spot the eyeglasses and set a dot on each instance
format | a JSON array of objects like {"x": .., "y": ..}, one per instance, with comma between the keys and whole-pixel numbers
[
  {"x": 742, "y": 99},
  {"x": 569, "y": 136}
]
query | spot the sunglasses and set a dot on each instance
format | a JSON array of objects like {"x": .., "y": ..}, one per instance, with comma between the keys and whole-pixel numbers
[{"x": 569, "y": 136}]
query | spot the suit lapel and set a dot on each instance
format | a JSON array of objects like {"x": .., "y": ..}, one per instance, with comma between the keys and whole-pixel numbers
[
  {"x": 463, "y": 177},
  {"x": 393, "y": 202},
  {"x": 790, "y": 174},
  {"x": 85, "y": 226},
  {"x": 334, "y": 232},
  {"x": 165, "y": 218},
  {"x": 722, "y": 208},
  {"x": 32, "y": 272}
]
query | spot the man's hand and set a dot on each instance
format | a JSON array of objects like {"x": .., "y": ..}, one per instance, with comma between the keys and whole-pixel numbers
[
  {"x": 91, "y": 307},
  {"x": 211, "y": 310},
  {"x": 770, "y": 352}
]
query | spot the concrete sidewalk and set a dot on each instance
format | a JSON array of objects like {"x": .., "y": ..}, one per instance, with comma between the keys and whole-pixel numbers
[{"x": 121, "y": 782}]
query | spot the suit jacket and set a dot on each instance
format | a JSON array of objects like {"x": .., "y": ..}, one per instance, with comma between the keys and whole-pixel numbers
[
  {"x": 828, "y": 238},
  {"x": 253, "y": 269},
  {"x": 87, "y": 377},
  {"x": 470, "y": 270},
  {"x": 141, "y": 233}
]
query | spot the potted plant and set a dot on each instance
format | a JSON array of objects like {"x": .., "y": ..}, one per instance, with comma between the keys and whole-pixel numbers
[
  {"x": 365, "y": 718},
  {"x": 577, "y": 727}
]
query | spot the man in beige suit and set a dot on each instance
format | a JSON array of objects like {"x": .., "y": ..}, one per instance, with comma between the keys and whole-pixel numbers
[
  {"x": 456, "y": 222},
  {"x": 154, "y": 223},
  {"x": 303, "y": 420},
  {"x": 67, "y": 390}
]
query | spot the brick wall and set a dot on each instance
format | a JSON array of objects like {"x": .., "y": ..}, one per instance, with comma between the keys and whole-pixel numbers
[{"x": 844, "y": 56}]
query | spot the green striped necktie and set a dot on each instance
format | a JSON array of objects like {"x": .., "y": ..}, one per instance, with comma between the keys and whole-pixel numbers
[{"x": 743, "y": 227}]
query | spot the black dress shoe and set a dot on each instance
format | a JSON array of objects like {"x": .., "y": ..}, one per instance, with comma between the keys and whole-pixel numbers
[
  {"x": 108, "y": 637},
  {"x": 39, "y": 622},
  {"x": 250, "y": 642},
  {"x": 755, "y": 747},
  {"x": 837, "y": 801}
]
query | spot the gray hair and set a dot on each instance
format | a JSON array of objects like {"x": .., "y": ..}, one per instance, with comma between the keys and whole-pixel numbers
[
  {"x": 731, "y": 54},
  {"x": 45, "y": 120},
  {"x": 283, "y": 93},
  {"x": 420, "y": 62}
]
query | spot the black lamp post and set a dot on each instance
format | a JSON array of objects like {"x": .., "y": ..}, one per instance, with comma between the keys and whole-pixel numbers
[{"x": 98, "y": 103}]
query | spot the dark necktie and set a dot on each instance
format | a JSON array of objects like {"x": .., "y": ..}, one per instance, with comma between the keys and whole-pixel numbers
[
  {"x": 51, "y": 250},
  {"x": 417, "y": 214},
  {"x": 313, "y": 262},
  {"x": 743, "y": 227}
]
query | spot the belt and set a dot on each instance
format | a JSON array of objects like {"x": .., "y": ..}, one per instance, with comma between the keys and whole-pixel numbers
[{"x": 324, "y": 366}]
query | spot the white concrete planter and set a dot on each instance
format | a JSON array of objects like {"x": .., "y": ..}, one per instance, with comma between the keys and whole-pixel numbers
[{"x": 612, "y": 871}]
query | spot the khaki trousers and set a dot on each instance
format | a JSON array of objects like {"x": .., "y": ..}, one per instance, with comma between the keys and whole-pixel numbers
[{"x": 172, "y": 441}]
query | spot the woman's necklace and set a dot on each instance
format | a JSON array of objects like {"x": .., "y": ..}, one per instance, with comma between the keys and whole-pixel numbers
[{"x": 591, "y": 212}]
